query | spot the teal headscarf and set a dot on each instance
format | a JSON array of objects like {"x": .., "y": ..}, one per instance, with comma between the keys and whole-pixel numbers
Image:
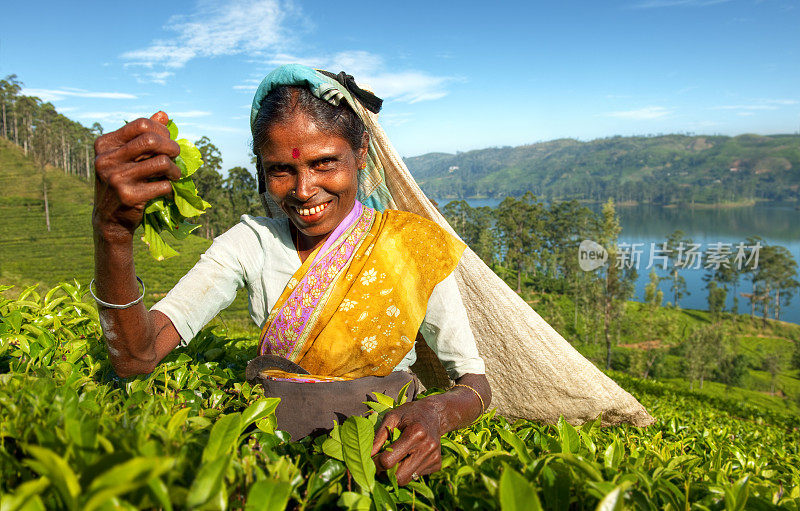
[{"x": 372, "y": 190}]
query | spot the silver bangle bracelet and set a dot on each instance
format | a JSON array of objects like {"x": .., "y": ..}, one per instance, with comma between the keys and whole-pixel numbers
[{"x": 114, "y": 305}]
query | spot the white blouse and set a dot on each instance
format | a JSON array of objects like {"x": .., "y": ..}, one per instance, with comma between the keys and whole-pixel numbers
[{"x": 258, "y": 253}]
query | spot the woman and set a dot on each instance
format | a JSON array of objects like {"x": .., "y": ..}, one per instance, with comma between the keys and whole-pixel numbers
[{"x": 346, "y": 286}]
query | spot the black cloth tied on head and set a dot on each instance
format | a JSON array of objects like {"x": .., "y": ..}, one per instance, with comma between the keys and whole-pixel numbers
[{"x": 370, "y": 101}]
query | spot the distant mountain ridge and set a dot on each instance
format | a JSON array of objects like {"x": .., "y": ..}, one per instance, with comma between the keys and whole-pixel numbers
[{"x": 668, "y": 169}]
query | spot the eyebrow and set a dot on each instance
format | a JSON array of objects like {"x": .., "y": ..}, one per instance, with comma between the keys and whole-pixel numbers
[{"x": 332, "y": 155}]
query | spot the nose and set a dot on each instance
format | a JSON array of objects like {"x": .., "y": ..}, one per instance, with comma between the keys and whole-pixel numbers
[{"x": 306, "y": 186}]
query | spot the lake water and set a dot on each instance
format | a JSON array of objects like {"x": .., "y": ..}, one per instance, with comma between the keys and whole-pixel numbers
[{"x": 776, "y": 224}]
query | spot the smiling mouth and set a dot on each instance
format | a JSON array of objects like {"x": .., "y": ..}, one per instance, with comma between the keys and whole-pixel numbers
[{"x": 307, "y": 213}]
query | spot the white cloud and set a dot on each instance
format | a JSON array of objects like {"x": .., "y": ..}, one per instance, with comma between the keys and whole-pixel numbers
[
  {"x": 59, "y": 94},
  {"x": 249, "y": 85},
  {"x": 745, "y": 107},
  {"x": 642, "y": 114},
  {"x": 370, "y": 72},
  {"x": 216, "y": 29},
  {"x": 758, "y": 105},
  {"x": 159, "y": 77},
  {"x": 395, "y": 118},
  {"x": 112, "y": 117},
  {"x": 190, "y": 113}
]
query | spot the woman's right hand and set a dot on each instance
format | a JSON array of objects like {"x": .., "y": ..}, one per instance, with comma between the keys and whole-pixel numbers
[{"x": 132, "y": 166}]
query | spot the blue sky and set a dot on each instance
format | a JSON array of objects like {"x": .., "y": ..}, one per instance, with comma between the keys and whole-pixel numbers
[{"x": 455, "y": 75}]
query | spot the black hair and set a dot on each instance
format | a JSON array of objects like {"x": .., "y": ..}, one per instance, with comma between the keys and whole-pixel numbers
[{"x": 284, "y": 100}]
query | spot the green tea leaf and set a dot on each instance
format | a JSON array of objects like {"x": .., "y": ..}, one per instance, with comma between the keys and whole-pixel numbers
[
  {"x": 14, "y": 320},
  {"x": 192, "y": 159},
  {"x": 169, "y": 214},
  {"x": 357, "y": 436},
  {"x": 570, "y": 441},
  {"x": 223, "y": 437},
  {"x": 516, "y": 493},
  {"x": 382, "y": 499},
  {"x": 258, "y": 410},
  {"x": 268, "y": 496},
  {"x": 51, "y": 465},
  {"x": 330, "y": 471},
  {"x": 208, "y": 482},
  {"x": 332, "y": 446},
  {"x": 189, "y": 203},
  {"x": 26, "y": 496},
  {"x": 123, "y": 478},
  {"x": 517, "y": 444},
  {"x": 173, "y": 130},
  {"x": 354, "y": 501},
  {"x": 176, "y": 421},
  {"x": 615, "y": 499},
  {"x": 158, "y": 248}
]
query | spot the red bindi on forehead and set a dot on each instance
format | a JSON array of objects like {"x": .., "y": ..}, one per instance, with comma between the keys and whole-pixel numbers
[{"x": 295, "y": 153}]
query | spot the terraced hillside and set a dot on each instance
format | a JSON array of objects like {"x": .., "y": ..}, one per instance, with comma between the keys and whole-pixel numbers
[{"x": 29, "y": 254}]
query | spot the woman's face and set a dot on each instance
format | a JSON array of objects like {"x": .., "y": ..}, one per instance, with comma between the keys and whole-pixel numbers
[{"x": 311, "y": 174}]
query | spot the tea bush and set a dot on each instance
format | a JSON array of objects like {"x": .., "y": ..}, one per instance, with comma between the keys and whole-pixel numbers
[{"x": 192, "y": 435}]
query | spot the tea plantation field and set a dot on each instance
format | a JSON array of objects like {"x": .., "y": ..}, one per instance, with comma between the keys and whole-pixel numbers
[
  {"x": 29, "y": 254},
  {"x": 192, "y": 436}
]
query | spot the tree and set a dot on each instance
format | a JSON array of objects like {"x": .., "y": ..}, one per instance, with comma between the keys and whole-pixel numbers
[
  {"x": 703, "y": 349},
  {"x": 678, "y": 248},
  {"x": 732, "y": 370},
  {"x": 781, "y": 272},
  {"x": 242, "y": 191},
  {"x": 474, "y": 226},
  {"x": 618, "y": 280},
  {"x": 775, "y": 273},
  {"x": 209, "y": 183},
  {"x": 716, "y": 299},
  {"x": 719, "y": 268},
  {"x": 653, "y": 296},
  {"x": 36, "y": 127},
  {"x": 519, "y": 228}
]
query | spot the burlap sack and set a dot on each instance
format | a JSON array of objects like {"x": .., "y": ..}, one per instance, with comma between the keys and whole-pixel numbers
[{"x": 534, "y": 372}]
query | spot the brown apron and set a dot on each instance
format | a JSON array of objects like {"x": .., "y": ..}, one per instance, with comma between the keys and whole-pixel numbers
[{"x": 311, "y": 408}]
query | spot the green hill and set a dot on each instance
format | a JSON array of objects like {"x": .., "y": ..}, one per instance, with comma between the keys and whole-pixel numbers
[
  {"x": 667, "y": 169},
  {"x": 29, "y": 254}
]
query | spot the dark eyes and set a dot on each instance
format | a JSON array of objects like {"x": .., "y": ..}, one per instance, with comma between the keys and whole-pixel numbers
[
  {"x": 325, "y": 163},
  {"x": 322, "y": 165},
  {"x": 278, "y": 169}
]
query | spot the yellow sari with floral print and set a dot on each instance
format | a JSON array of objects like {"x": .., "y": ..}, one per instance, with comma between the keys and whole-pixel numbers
[{"x": 353, "y": 308}]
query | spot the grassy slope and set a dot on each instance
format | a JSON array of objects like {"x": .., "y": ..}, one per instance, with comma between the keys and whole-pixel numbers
[
  {"x": 31, "y": 255},
  {"x": 753, "y": 339}
]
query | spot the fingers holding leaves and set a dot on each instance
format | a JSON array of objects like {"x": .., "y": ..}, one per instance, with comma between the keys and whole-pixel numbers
[
  {"x": 127, "y": 133},
  {"x": 384, "y": 432},
  {"x": 418, "y": 449},
  {"x": 160, "y": 117}
]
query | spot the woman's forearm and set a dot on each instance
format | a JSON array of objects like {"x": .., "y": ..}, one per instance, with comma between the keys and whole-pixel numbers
[
  {"x": 129, "y": 332},
  {"x": 133, "y": 165},
  {"x": 460, "y": 406}
]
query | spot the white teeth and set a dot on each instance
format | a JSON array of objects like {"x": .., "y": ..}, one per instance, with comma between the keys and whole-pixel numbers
[{"x": 312, "y": 211}]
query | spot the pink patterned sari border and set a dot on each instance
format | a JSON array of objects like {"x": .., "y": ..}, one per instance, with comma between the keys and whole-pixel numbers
[{"x": 292, "y": 322}]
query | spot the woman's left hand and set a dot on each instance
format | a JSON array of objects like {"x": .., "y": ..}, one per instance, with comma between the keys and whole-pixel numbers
[{"x": 418, "y": 450}]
